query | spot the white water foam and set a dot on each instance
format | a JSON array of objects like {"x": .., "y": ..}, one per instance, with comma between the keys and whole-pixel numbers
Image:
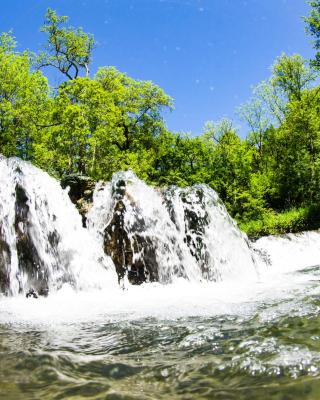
[
  {"x": 209, "y": 248},
  {"x": 181, "y": 299},
  {"x": 223, "y": 250},
  {"x": 75, "y": 256},
  {"x": 290, "y": 252},
  {"x": 79, "y": 256},
  {"x": 144, "y": 207}
]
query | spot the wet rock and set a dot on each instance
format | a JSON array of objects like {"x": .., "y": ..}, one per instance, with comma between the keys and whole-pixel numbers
[
  {"x": 80, "y": 192},
  {"x": 80, "y": 186},
  {"x": 133, "y": 252},
  {"x": 32, "y": 293},
  {"x": 29, "y": 260},
  {"x": 5, "y": 260}
]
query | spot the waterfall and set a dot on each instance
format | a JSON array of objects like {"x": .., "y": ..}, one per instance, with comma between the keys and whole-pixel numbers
[
  {"x": 159, "y": 235},
  {"x": 136, "y": 230},
  {"x": 221, "y": 250},
  {"x": 42, "y": 242},
  {"x": 134, "y": 233},
  {"x": 290, "y": 252}
]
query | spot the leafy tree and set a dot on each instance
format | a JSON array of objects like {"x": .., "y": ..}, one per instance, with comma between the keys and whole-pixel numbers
[
  {"x": 292, "y": 75},
  {"x": 23, "y": 99},
  {"x": 183, "y": 160},
  {"x": 214, "y": 130},
  {"x": 234, "y": 176},
  {"x": 139, "y": 105},
  {"x": 313, "y": 28},
  {"x": 253, "y": 112},
  {"x": 296, "y": 162},
  {"x": 68, "y": 49},
  {"x": 101, "y": 125},
  {"x": 271, "y": 100}
]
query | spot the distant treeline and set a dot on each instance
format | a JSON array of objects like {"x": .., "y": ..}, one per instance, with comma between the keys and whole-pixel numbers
[{"x": 109, "y": 122}]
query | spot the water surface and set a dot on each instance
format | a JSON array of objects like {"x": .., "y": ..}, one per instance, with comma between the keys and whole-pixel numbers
[{"x": 240, "y": 340}]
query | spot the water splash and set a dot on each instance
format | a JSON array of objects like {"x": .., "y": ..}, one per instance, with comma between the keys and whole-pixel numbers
[
  {"x": 159, "y": 235},
  {"x": 289, "y": 252},
  {"x": 221, "y": 250},
  {"x": 134, "y": 232},
  {"x": 41, "y": 236},
  {"x": 132, "y": 221}
]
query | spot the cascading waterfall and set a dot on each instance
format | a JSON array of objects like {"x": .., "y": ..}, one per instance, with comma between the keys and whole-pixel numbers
[
  {"x": 42, "y": 242},
  {"x": 290, "y": 252},
  {"x": 137, "y": 232},
  {"x": 162, "y": 234},
  {"x": 221, "y": 250},
  {"x": 134, "y": 233}
]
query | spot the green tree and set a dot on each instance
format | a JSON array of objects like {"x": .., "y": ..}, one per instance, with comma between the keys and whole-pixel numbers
[
  {"x": 313, "y": 28},
  {"x": 272, "y": 101},
  {"x": 296, "y": 159},
  {"x": 139, "y": 105},
  {"x": 292, "y": 75},
  {"x": 235, "y": 178},
  {"x": 183, "y": 160},
  {"x": 68, "y": 49},
  {"x": 23, "y": 101},
  {"x": 253, "y": 112},
  {"x": 101, "y": 125}
]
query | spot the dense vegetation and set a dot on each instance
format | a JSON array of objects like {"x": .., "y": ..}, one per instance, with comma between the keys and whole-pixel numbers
[{"x": 96, "y": 125}]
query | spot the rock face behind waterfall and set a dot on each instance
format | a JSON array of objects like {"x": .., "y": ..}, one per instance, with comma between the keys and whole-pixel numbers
[
  {"x": 5, "y": 260},
  {"x": 31, "y": 264},
  {"x": 80, "y": 192},
  {"x": 158, "y": 235},
  {"x": 187, "y": 209},
  {"x": 42, "y": 242}
]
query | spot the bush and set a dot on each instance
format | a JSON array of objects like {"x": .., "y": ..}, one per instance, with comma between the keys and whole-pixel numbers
[{"x": 293, "y": 220}]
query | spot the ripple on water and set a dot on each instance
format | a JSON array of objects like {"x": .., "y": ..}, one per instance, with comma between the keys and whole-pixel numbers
[{"x": 196, "y": 344}]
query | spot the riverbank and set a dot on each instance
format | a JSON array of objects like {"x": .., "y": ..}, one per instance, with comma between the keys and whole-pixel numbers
[{"x": 291, "y": 221}]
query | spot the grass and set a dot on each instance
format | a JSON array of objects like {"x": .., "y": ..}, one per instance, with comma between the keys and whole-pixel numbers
[{"x": 293, "y": 220}]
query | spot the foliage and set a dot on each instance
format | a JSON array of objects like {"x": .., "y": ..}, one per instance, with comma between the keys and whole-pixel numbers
[
  {"x": 269, "y": 181},
  {"x": 313, "y": 28},
  {"x": 291, "y": 75},
  {"x": 101, "y": 125},
  {"x": 289, "y": 221},
  {"x": 23, "y": 99},
  {"x": 68, "y": 49}
]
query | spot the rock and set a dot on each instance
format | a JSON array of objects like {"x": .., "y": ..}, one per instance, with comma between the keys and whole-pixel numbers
[
  {"x": 80, "y": 186},
  {"x": 32, "y": 293},
  {"x": 29, "y": 260},
  {"x": 133, "y": 253},
  {"x": 5, "y": 260},
  {"x": 88, "y": 194},
  {"x": 80, "y": 192}
]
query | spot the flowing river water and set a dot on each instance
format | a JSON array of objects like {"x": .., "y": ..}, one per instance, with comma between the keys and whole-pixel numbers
[
  {"x": 233, "y": 320},
  {"x": 181, "y": 341}
]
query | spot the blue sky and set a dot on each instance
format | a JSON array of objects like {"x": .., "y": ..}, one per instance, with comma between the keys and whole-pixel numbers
[{"x": 206, "y": 54}]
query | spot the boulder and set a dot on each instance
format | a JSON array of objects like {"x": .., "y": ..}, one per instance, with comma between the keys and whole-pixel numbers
[
  {"x": 28, "y": 258},
  {"x": 5, "y": 260},
  {"x": 81, "y": 190},
  {"x": 132, "y": 251}
]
